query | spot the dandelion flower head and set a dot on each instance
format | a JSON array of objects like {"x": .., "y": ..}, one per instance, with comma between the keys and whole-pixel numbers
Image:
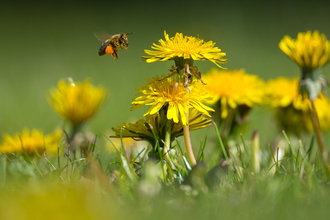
[
  {"x": 234, "y": 88},
  {"x": 76, "y": 102},
  {"x": 309, "y": 50},
  {"x": 171, "y": 94},
  {"x": 184, "y": 47},
  {"x": 283, "y": 94},
  {"x": 31, "y": 141}
]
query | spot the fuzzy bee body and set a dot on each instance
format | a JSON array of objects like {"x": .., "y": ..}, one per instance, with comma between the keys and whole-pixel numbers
[
  {"x": 112, "y": 43},
  {"x": 103, "y": 47}
]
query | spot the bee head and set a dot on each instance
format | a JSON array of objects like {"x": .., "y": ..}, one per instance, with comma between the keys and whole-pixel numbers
[{"x": 123, "y": 38}]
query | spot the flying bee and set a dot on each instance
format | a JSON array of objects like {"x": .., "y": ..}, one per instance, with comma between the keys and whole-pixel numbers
[{"x": 112, "y": 42}]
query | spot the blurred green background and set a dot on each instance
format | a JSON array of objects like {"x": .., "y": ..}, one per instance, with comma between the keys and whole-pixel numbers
[{"x": 42, "y": 42}]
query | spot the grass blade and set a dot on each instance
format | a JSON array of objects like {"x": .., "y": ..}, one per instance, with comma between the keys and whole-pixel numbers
[{"x": 220, "y": 141}]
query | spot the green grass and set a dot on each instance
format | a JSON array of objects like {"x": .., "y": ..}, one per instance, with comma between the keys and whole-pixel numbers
[{"x": 91, "y": 188}]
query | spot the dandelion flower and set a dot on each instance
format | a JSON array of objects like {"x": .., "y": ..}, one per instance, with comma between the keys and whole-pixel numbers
[
  {"x": 282, "y": 92},
  {"x": 168, "y": 93},
  {"x": 31, "y": 141},
  {"x": 142, "y": 129},
  {"x": 234, "y": 88},
  {"x": 184, "y": 47},
  {"x": 293, "y": 111},
  {"x": 309, "y": 50},
  {"x": 76, "y": 102}
]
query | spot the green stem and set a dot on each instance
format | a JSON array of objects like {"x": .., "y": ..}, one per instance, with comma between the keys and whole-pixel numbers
[
  {"x": 167, "y": 144},
  {"x": 255, "y": 152},
  {"x": 317, "y": 130},
  {"x": 167, "y": 148},
  {"x": 75, "y": 129},
  {"x": 180, "y": 64},
  {"x": 190, "y": 153},
  {"x": 313, "y": 74}
]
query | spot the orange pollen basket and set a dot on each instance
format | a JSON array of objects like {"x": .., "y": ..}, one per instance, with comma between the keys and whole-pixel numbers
[{"x": 109, "y": 50}]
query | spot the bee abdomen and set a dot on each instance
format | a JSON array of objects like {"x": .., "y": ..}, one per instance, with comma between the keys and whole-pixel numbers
[
  {"x": 103, "y": 47},
  {"x": 102, "y": 50}
]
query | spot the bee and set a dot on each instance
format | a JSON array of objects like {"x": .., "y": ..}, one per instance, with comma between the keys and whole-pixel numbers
[{"x": 112, "y": 42}]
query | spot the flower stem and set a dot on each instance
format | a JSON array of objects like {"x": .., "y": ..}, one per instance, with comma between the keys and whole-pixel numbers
[
  {"x": 186, "y": 134},
  {"x": 167, "y": 144},
  {"x": 75, "y": 129},
  {"x": 190, "y": 153},
  {"x": 181, "y": 65},
  {"x": 166, "y": 150},
  {"x": 317, "y": 130}
]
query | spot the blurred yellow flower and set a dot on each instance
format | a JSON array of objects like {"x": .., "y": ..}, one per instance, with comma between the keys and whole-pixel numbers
[
  {"x": 322, "y": 106},
  {"x": 76, "y": 102},
  {"x": 294, "y": 110},
  {"x": 309, "y": 50},
  {"x": 172, "y": 95},
  {"x": 142, "y": 129},
  {"x": 128, "y": 144},
  {"x": 32, "y": 141},
  {"x": 282, "y": 92},
  {"x": 233, "y": 88},
  {"x": 184, "y": 47}
]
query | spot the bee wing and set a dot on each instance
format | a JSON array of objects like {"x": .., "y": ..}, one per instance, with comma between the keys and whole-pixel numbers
[{"x": 102, "y": 35}]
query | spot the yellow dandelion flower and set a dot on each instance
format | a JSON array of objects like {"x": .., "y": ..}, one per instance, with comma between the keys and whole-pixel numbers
[
  {"x": 322, "y": 106},
  {"x": 76, "y": 102},
  {"x": 309, "y": 50},
  {"x": 172, "y": 95},
  {"x": 234, "y": 88},
  {"x": 142, "y": 129},
  {"x": 184, "y": 47},
  {"x": 294, "y": 110},
  {"x": 196, "y": 121},
  {"x": 32, "y": 141},
  {"x": 283, "y": 92}
]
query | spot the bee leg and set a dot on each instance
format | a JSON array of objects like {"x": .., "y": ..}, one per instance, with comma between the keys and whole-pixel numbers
[{"x": 115, "y": 54}]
